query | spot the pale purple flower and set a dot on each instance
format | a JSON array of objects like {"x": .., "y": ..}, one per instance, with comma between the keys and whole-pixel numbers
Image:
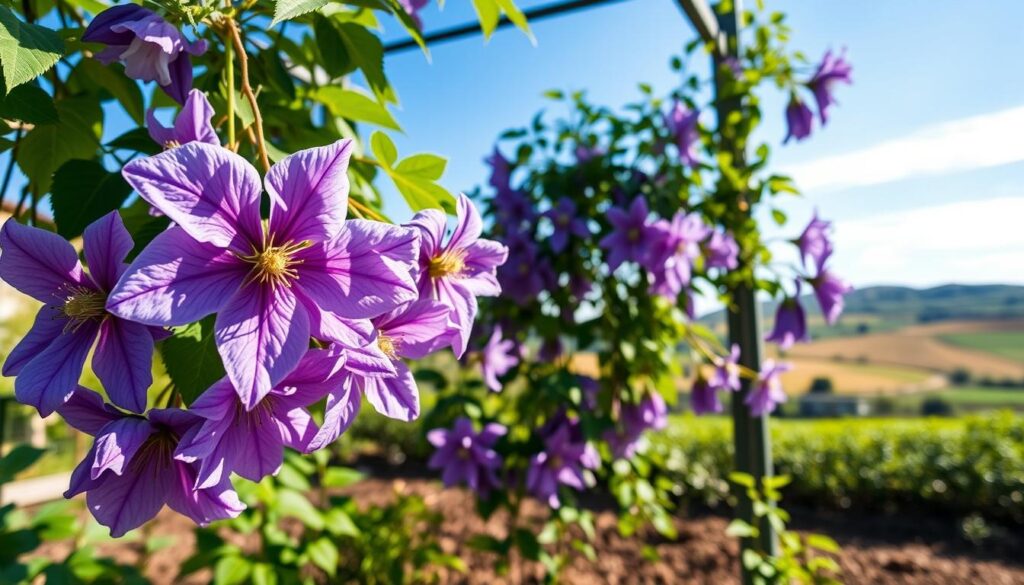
[
  {"x": 830, "y": 289},
  {"x": 560, "y": 463},
  {"x": 501, "y": 171},
  {"x": 704, "y": 397},
  {"x": 726, "y": 375},
  {"x": 814, "y": 242},
  {"x": 767, "y": 392},
  {"x": 231, "y": 439},
  {"x": 682, "y": 123},
  {"x": 191, "y": 125},
  {"x": 466, "y": 456},
  {"x": 305, "y": 272},
  {"x": 512, "y": 209},
  {"x": 832, "y": 70},
  {"x": 673, "y": 247},
  {"x": 630, "y": 239},
  {"x": 412, "y": 8},
  {"x": 634, "y": 421},
  {"x": 790, "y": 323},
  {"x": 130, "y": 471},
  {"x": 459, "y": 270},
  {"x": 722, "y": 251},
  {"x": 521, "y": 276},
  {"x": 567, "y": 222},
  {"x": 799, "y": 119},
  {"x": 497, "y": 358},
  {"x": 150, "y": 48},
  {"x": 49, "y": 360}
]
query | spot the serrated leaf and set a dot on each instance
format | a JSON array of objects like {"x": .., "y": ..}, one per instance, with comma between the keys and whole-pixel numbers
[
  {"x": 83, "y": 191},
  {"x": 334, "y": 55},
  {"x": 26, "y": 50},
  {"x": 367, "y": 53},
  {"x": 428, "y": 166},
  {"x": 289, "y": 9},
  {"x": 355, "y": 106},
  {"x": 29, "y": 104},
  {"x": 191, "y": 359}
]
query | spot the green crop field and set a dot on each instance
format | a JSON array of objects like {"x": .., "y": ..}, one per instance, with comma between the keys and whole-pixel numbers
[{"x": 1008, "y": 344}]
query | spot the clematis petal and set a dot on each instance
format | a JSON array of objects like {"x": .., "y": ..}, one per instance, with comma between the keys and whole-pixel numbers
[
  {"x": 342, "y": 407},
  {"x": 176, "y": 280},
  {"x": 255, "y": 442},
  {"x": 211, "y": 192},
  {"x": 193, "y": 122},
  {"x": 99, "y": 30},
  {"x": 261, "y": 335},
  {"x": 81, "y": 477},
  {"x": 327, "y": 326},
  {"x": 397, "y": 397},
  {"x": 469, "y": 226},
  {"x": 203, "y": 506},
  {"x": 300, "y": 429},
  {"x": 123, "y": 362},
  {"x": 86, "y": 411},
  {"x": 370, "y": 362},
  {"x": 118, "y": 443},
  {"x": 485, "y": 255},
  {"x": 431, "y": 223},
  {"x": 366, "y": 271},
  {"x": 309, "y": 193},
  {"x": 180, "y": 71},
  {"x": 107, "y": 243},
  {"x": 124, "y": 502},
  {"x": 38, "y": 263},
  {"x": 419, "y": 329},
  {"x": 49, "y": 324},
  {"x": 318, "y": 372},
  {"x": 51, "y": 377},
  {"x": 462, "y": 307}
]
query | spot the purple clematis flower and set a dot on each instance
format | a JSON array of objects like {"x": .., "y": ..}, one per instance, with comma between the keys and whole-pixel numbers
[
  {"x": 457, "y": 272},
  {"x": 497, "y": 358},
  {"x": 513, "y": 209},
  {"x": 768, "y": 393},
  {"x": 790, "y": 323},
  {"x": 466, "y": 456},
  {"x": 191, "y": 125},
  {"x": 413, "y": 7},
  {"x": 251, "y": 443},
  {"x": 674, "y": 245},
  {"x": 49, "y": 360},
  {"x": 799, "y": 119},
  {"x": 682, "y": 123},
  {"x": 629, "y": 240},
  {"x": 815, "y": 242},
  {"x": 829, "y": 289},
  {"x": 586, "y": 153},
  {"x": 635, "y": 420},
  {"x": 567, "y": 223},
  {"x": 305, "y": 272},
  {"x": 501, "y": 171},
  {"x": 130, "y": 472},
  {"x": 832, "y": 70},
  {"x": 722, "y": 251},
  {"x": 561, "y": 462},
  {"x": 521, "y": 276},
  {"x": 726, "y": 375},
  {"x": 704, "y": 397},
  {"x": 150, "y": 47}
]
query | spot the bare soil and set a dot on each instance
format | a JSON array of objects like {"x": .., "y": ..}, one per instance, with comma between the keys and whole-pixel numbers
[{"x": 902, "y": 549}]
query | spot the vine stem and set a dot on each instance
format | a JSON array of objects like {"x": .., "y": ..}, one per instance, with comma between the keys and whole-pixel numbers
[
  {"x": 361, "y": 209},
  {"x": 229, "y": 74},
  {"x": 243, "y": 66}
]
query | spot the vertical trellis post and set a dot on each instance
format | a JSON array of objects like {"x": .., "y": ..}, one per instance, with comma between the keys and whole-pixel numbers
[{"x": 751, "y": 439}]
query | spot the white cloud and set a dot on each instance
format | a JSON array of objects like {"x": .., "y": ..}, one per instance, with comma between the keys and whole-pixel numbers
[
  {"x": 971, "y": 143},
  {"x": 969, "y": 242}
]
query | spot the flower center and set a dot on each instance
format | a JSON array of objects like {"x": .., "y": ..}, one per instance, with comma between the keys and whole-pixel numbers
[
  {"x": 275, "y": 265},
  {"x": 83, "y": 304},
  {"x": 450, "y": 263},
  {"x": 171, "y": 144},
  {"x": 388, "y": 345},
  {"x": 158, "y": 450},
  {"x": 633, "y": 235}
]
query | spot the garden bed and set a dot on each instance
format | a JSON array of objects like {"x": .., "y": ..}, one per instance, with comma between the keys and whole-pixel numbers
[{"x": 876, "y": 548}]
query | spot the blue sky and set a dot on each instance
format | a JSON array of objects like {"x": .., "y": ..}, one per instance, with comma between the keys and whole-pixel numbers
[{"x": 921, "y": 166}]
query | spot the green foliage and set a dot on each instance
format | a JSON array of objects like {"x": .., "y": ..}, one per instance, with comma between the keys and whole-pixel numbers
[
  {"x": 191, "y": 359},
  {"x": 83, "y": 191},
  {"x": 26, "y": 50},
  {"x": 30, "y": 104},
  {"x": 415, "y": 177}
]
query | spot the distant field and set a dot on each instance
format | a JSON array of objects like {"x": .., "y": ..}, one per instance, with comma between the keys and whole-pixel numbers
[
  {"x": 1008, "y": 344},
  {"x": 858, "y": 378}
]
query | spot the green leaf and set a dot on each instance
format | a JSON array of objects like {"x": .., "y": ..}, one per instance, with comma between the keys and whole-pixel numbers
[
  {"x": 297, "y": 505},
  {"x": 83, "y": 191},
  {"x": 489, "y": 14},
  {"x": 19, "y": 459},
  {"x": 383, "y": 148},
  {"x": 136, "y": 140},
  {"x": 92, "y": 76},
  {"x": 339, "y": 523},
  {"x": 289, "y": 9},
  {"x": 264, "y": 574},
  {"x": 191, "y": 359},
  {"x": 231, "y": 570},
  {"x": 410, "y": 25},
  {"x": 324, "y": 554},
  {"x": 29, "y": 104},
  {"x": 355, "y": 106},
  {"x": 366, "y": 52},
  {"x": 740, "y": 529},
  {"x": 422, "y": 193},
  {"x": 427, "y": 166},
  {"x": 334, "y": 56},
  {"x": 744, "y": 479},
  {"x": 26, "y": 50},
  {"x": 515, "y": 15},
  {"x": 45, "y": 148},
  {"x": 339, "y": 477},
  {"x": 527, "y": 544},
  {"x": 822, "y": 543}
]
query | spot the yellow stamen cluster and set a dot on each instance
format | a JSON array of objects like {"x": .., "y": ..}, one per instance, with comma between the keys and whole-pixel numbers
[
  {"x": 388, "y": 345},
  {"x": 275, "y": 264},
  {"x": 83, "y": 304},
  {"x": 171, "y": 144},
  {"x": 451, "y": 263}
]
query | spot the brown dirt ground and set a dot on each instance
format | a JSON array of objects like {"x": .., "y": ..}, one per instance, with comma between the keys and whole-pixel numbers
[{"x": 876, "y": 549}]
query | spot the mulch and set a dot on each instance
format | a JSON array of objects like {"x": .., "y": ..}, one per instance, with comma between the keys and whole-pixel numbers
[{"x": 882, "y": 549}]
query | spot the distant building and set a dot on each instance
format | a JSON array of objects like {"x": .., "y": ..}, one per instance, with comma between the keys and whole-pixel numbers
[{"x": 831, "y": 405}]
